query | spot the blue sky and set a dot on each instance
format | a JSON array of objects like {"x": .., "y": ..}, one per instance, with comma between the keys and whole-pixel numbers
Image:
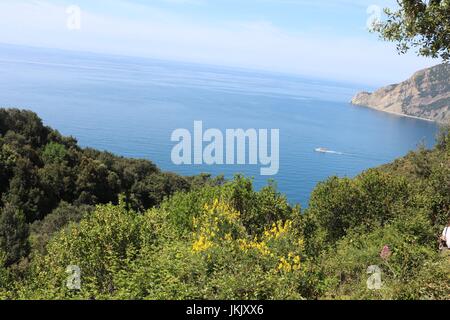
[{"x": 326, "y": 39}]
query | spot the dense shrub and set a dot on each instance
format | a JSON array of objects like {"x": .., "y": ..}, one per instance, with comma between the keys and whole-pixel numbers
[
  {"x": 126, "y": 255},
  {"x": 13, "y": 235},
  {"x": 413, "y": 255}
]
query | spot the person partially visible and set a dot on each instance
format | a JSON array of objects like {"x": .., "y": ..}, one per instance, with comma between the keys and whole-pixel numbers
[{"x": 445, "y": 238}]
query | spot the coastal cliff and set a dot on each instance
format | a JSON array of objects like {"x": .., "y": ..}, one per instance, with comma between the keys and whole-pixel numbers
[{"x": 425, "y": 95}]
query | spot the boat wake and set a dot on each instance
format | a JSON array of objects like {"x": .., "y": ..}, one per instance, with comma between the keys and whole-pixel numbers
[
  {"x": 324, "y": 150},
  {"x": 360, "y": 156}
]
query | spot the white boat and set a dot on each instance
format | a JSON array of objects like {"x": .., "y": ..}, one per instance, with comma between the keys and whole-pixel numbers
[{"x": 322, "y": 150}]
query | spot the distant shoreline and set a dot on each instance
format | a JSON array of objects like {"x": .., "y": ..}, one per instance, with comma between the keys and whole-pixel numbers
[
  {"x": 396, "y": 113},
  {"x": 407, "y": 115}
]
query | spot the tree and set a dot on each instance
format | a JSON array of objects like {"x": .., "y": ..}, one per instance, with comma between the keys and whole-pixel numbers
[
  {"x": 13, "y": 234},
  {"x": 43, "y": 230},
  {"x": 421, "y": 24},
  {"x": 443, "y": 138},
  {"x": 54, "y": 152},
  {"x": 5, "y": 279}
]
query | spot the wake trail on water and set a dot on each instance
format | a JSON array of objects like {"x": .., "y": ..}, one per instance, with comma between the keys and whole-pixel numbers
[
  {"x": 335, "y": 152},
  {"x": 354, "y": 155},
  {"x": 323, "y": 150}
]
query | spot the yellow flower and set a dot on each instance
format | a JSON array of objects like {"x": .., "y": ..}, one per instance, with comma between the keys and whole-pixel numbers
[
  {"x": 201, "y": 245},
  {"x": 256, "y": 245},
  {"x": 292, "y": 263},
  {"x": 284, "y": 265},
  {"x": 278, "y": 229},
  {"x": 213, "y": 225}
]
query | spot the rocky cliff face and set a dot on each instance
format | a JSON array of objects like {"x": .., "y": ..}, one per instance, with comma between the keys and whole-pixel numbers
[{"x": 425, "y": 95}]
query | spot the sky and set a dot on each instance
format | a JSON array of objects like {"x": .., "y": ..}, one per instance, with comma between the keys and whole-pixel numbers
[{"x": 326, "y": 39}]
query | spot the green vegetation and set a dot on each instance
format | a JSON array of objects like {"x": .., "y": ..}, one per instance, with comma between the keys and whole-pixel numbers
[
  {"x": 47, "y": 181},
  {"x": 421, "y": 24},
  {"x": 138, "y": 233}
]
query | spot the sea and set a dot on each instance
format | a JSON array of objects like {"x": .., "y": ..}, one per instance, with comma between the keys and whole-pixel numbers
[{"x": 130, "y": 106}]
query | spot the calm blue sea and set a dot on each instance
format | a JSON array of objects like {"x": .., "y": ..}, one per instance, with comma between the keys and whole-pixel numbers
[{"x": 130, "y": 106}]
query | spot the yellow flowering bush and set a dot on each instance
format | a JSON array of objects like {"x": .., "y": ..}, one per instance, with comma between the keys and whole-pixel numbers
[
  {"x": 218, "y": 222},
  {"x": 220, "y": 225}
]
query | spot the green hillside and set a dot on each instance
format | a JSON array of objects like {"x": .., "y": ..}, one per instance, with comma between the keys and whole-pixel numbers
[{"x": 138, "y": 233}]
